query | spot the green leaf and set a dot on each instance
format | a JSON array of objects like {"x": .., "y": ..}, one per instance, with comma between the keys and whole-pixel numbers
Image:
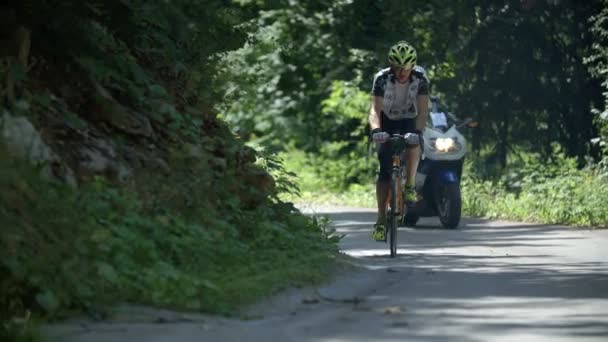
[
  {"x": 48, "y": 301},
  {"x": 157, "y": 91},
  {"x": 74, "y": 121},
  {"x": 107, "y": 272}
]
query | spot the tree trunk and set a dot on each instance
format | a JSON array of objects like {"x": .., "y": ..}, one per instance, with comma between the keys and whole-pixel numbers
[{"x": 22, "y": 38}]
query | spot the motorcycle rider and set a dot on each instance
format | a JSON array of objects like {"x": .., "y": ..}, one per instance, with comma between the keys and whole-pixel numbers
[{"x": 399, "y": 104}]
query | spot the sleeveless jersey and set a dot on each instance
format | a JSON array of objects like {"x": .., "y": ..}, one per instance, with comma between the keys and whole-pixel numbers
[{"x": 399, "y": 101}]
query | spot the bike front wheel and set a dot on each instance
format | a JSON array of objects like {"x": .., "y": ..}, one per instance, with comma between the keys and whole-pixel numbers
[{"x": 394, "y": 212}]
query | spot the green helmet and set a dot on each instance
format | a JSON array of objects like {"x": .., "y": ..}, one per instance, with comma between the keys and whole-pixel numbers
[{"x": 402, "y": 54}]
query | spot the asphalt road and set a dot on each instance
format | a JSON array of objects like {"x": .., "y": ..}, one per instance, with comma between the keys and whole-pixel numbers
[{"x": 486, "y": 281}]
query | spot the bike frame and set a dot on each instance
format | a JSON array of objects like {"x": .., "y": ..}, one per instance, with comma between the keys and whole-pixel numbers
[{"x": 396, "y": 208}]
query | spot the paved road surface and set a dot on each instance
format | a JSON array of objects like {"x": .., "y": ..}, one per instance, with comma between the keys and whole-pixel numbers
[{"x": 487, "y": 281}]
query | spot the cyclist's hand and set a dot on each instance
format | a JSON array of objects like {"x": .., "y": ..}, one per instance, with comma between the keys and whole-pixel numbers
[
  {"x": 412, "y": 139},
  {"x": 378, "y": 136}
]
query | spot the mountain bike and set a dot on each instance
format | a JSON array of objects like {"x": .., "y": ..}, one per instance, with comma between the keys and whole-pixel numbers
[{"x": 397, "y": 208}]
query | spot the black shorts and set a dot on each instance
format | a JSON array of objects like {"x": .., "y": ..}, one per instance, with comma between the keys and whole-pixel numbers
[{"x": 385, "y": 150}]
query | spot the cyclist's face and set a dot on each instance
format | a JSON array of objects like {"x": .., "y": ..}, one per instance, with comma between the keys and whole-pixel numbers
[{"x": 402, "y": 73}]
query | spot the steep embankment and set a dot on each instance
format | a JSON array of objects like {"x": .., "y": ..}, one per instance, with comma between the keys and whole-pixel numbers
[{"x": 117, "y": 181}]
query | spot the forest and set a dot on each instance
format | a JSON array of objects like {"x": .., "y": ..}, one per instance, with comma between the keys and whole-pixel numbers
[{"x": 152, "y": 151}]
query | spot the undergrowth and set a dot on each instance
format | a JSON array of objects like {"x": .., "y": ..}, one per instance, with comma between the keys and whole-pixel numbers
[
  {"x": 553, "y": 191},
  {"x": 329, "y": 179},
  {"x": 64, "y": 249}
]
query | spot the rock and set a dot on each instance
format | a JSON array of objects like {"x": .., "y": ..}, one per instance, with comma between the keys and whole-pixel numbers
[
  {"x": 162, "y": 165},
  {"x": 310, "y": 300},
  {"x": 257, "y": 177},
  {"x": 258, "y": 185},
  {"x": 141, "y": 159},
  {"x": 62, "y": 171},
  {"x": 247, "y": 155},
  {"x": 393, "y": 310},
  {"x": 106, "y": 109},
  {"x": 23, "y": 141},
  {"x": 194, "y": 150},
  {"x": 99, "y": 157},
  {"x": 133, "y": 157},
  {"x": 218, "y": 163}
]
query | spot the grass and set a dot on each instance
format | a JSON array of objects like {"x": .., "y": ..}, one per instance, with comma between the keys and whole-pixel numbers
[
  {"x": 361, "y": 196},
  {"x": 64, "y": 250},
  {"x": 556, "y": 193},
  {"x": 19, "y": 333},
  {"x": 577, "y": 199}
]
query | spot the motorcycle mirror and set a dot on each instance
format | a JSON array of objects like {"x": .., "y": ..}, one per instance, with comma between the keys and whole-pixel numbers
[{"x": 465, "y": 122}]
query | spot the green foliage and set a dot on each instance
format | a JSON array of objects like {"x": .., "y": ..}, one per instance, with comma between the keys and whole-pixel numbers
[
  {"x": 157, "y": 59},
  {"x": 341, "y": 160},
  {"x": 287, "y": 74},
  {"x": 273, "y": 163},
  {"x": 19, "y": 332},
  {"x": 531, "y": 188},
  {"x": 279, "y": 79},
  {"x": 344, "y": 113},
  {"x": 64, "y": 249},
  {"x": 548, "y": 192},
  {"x": 209, "y": 234},
  {"x": 598, "y": 67},
  {"x": 495, "y": 61}
]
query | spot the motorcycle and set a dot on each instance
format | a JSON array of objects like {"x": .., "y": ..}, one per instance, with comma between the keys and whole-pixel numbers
[{"x": 440, "y": 170}]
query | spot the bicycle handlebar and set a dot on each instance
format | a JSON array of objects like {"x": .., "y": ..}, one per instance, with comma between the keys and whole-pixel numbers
[{"x": 411, "y": 139}]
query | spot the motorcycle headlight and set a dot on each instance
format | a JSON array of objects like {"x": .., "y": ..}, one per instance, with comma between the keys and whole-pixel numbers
[{"x": 445, "y": 144}]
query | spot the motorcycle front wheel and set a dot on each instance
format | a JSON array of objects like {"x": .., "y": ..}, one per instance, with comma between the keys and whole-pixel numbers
[
  {"x": 449, "y": 204},
  {"x": 410, "y": 219}
]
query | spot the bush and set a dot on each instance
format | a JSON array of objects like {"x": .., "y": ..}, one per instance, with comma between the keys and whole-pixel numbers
[
  {"x": 65, "y": 249},
  {"x": 553, "y": 192}
]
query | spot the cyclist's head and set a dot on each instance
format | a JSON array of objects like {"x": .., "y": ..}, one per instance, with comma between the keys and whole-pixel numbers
[{"x": 402, "y": 55}]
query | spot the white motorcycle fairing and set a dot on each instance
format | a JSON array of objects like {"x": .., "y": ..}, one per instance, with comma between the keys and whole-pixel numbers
[{"x": 454, "y": 150}]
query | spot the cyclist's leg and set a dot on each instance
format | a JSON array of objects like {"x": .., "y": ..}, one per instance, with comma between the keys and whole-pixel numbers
[
  {"x": 383, "y": 184},
  {"x": 412, "y": 157},
  {"x": 383, "y": 181}
]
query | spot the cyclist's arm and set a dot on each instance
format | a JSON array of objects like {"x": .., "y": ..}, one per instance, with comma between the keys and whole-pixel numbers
[
  {"x": 374, "y": 112},
  {"x": 423, "y": 111}
]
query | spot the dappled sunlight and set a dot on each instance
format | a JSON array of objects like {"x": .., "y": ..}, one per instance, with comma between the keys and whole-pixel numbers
[
  {"x": 527, "y": 280},
  {"x": 368, "y": 252},
  {"x": 548, "y": 315}
]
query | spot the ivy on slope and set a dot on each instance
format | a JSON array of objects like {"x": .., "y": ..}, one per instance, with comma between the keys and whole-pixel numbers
[
  {"x": 63, "y": 249},
  {"x": 210, "y": 234}
]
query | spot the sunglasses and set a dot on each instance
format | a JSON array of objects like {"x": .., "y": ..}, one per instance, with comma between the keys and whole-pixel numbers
[{"x": 397, "y": 68}]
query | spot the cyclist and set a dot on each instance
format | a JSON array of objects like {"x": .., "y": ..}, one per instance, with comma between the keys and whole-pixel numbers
[{"x": 399, "y": 104}]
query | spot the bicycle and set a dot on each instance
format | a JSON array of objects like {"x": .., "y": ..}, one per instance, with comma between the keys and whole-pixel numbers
[{"x": 397, "y": 208}]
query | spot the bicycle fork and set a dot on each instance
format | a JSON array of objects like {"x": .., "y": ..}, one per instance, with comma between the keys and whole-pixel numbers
[{"x": 396, "y": 189}]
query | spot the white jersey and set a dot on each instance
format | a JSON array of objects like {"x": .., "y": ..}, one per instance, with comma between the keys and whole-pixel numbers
[{"x": 399, "y": 100}]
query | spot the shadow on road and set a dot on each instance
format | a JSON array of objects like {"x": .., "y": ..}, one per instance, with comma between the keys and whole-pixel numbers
[
  {"x": 471, "y": 232},
  {"x": 487, "y": 277}
]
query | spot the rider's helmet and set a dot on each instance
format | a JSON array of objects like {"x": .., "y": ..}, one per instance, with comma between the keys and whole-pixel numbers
[{"x": 402, "y": 54}]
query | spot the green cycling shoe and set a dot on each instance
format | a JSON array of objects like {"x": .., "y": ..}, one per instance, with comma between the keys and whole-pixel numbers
[
  {"x": 379, "y": 233},
  {"x": 410, "y": 194}
]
